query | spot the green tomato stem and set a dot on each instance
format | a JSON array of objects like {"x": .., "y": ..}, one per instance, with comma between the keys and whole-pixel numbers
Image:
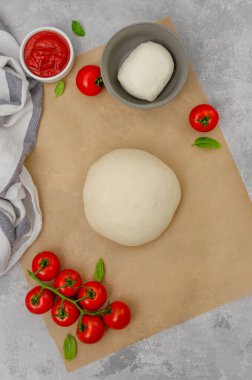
[
  {"x": 204, "y": 120},
  {"x": 43, "y": 263},
  {"x": 36, "y": 297},
  {"x": 99, "y": 82},
  {"x": 82, "y": 299},
  {"x": 55, "y": 291},
  {"x": 64, "y": 298},
  {"x": 62, "y": 302},
  {"x": 40, "y": 292}
]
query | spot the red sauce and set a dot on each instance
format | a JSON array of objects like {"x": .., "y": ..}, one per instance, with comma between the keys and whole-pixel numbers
[{"x": 46, "y": 53}]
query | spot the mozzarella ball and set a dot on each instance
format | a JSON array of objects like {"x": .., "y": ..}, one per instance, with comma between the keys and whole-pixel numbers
[{"x": 146, "y": 71}]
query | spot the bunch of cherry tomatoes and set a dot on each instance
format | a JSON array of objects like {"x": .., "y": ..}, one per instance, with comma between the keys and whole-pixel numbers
[{"x": 69, "y": 300}]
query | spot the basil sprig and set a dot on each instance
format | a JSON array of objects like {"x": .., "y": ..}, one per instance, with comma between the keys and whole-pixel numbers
[
  {"x": 99, "y": 270},
  {"x": 59, "y": 89},
  {"x": 77, "y": 28},
  {"x": 206, "y": 142},
  {"x": 70, "y": 347}
]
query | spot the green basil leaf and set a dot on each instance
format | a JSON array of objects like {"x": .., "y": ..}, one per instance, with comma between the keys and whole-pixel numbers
[
  {"x": 77, "y": 28},
  {"x": 207, "y": 142},
  {"x": 70, "y": 347},
  {"x": 59, "y": 89},
  {"x": 99, "y": 270}
]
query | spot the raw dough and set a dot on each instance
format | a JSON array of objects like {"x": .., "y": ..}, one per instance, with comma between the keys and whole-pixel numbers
[
  {"x": 130, "y": 196},
  {"x": 146, "y": 71}
]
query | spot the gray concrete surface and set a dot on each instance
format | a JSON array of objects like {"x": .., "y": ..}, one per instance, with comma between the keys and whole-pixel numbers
[{"x": 216, "y": 345}]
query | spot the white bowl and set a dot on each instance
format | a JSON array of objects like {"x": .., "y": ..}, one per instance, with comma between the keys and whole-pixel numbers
[{"x": 64, "y": 72}]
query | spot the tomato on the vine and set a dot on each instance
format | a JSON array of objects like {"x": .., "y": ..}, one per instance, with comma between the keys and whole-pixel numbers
[
  {"x": 46, "y": 265},
  {"x": 89, "y": 80},
  {"x": 68, "y": 282},
  {"x": 90, "y": 329},
  {"x": 203, "y": 118},
  {"x": 39, "y": 300},
  {"x": 94, "y": 295},
  {"x": 117, "y": 315},
  {"x": 64, "y": 313}
]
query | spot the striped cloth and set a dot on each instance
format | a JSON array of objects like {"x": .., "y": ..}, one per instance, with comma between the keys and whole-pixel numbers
[{"x": 20, "y": 112}]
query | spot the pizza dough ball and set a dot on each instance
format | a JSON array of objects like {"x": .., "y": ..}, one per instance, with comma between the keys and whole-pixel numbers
[
  {"x": 146, "y": 71},
  {"x": 130, "y": 196}
]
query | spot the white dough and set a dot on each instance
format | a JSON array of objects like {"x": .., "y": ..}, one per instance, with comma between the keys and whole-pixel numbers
[
  {"x": 130, "y": 196},
  {"x": 146, "y": 71}
]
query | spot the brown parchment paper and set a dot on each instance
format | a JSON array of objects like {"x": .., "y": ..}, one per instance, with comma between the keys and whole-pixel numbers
[{"x": 203, "y": 260}]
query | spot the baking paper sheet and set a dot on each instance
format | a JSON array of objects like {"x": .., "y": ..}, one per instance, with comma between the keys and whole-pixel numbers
[{"x": 203, "y": 260}]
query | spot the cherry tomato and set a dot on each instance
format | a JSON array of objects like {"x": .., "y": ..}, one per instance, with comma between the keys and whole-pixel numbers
[
  {"x": 68, "y": 282},
  {"x": 64, "y": 313},
  {"x": 89, "y": 81},
  {"x": 117, "y": 315},
  {"x": 203, "y": 118},
  {"x": 46, "y": 264},
  {"x": 39, "y": 300},
  {"x": 96, "y": 295},
  {"x": 91, "y": 329}
]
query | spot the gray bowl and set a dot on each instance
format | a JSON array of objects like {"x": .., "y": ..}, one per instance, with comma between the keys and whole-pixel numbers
[{"x": 127, "y": 39}]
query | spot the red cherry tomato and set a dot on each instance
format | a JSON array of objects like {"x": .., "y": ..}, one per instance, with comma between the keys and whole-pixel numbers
[
  {"x": 203, "y": 118},
  {"x": 64, "y": 313},
  {"x": 46, "y": 264},
  {"x": 91, "y": 329},
  {"x": 89, "y": 81},
  {"x": 38, "y": 300},
  {"x": 117, "y": 316},
  {"x": 68, "y": 282},
  {"x": 96, "y": 295}
]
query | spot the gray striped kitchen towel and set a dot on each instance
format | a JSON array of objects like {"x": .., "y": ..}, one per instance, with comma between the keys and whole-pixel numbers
[{"x": 20, "y": 112}]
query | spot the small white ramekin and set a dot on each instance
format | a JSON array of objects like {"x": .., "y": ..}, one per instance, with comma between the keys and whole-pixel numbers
[{"x": 64, "y": 72}]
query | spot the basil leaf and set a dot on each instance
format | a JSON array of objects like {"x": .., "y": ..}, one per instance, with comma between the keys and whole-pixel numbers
[
  {"x": 59, "y": 89},
  {"x": 70, "y": 347},
  {"x": 207, "y": 142},
  {"x": 99, "y": 270},
  {"x": 77, "y": 28}
]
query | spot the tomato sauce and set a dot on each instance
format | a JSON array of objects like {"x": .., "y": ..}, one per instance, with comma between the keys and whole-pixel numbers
[{"x": 46, "y": 53}]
